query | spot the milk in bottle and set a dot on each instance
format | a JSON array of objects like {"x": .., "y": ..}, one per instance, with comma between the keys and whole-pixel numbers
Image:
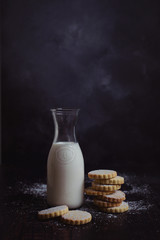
[{"x": 65, "y": 166}]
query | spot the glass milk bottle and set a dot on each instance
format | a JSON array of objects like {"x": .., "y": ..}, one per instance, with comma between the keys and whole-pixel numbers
[{"x": 65, "y": 166}]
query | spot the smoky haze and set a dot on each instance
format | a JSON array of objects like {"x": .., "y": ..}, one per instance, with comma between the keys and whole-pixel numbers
[{"x": 99, "y": 56}]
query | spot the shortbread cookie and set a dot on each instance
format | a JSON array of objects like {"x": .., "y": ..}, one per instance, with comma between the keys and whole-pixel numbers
[
  {"x": 102, "y": 174},
  {"x": 115, "y": 180},
  {"x": 115, "y": 197},
  {"x": 77, "y": 217},
  {"x": 104, "y": 187},
  {"x": 120, "y": 209},
  {"x": 100, "y": 203},
  {"x": 93, "y": 192},
  {"x": 52, "y": 212}
]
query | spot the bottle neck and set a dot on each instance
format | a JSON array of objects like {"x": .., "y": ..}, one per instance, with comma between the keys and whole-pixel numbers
[
  {"x": 64, "y": 123},
  {"x": 64, "y": 134}
]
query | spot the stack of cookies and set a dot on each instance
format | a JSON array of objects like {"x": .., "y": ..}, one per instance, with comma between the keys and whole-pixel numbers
[{"x": 105, "y": 187}]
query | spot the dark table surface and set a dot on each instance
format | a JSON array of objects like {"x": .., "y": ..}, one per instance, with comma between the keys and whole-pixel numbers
[{"x": 23, "y": 194}]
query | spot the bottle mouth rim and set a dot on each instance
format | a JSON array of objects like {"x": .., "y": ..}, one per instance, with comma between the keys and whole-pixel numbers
[{"x": 62, "y": 110}]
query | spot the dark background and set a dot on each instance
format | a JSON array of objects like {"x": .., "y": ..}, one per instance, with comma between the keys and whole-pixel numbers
[{"x": 99, "y": 56}]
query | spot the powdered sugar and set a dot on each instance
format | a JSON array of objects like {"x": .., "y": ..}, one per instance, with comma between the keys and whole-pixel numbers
[
  {"x": 138, "y": 195},
  {"x": 139, "y": 206},
  {"x": 36, "y": 189},
  {"x": 111, "y": 216}
]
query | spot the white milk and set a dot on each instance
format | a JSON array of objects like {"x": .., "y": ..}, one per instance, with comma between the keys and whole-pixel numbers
[{"x": 65, "y": 175}]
